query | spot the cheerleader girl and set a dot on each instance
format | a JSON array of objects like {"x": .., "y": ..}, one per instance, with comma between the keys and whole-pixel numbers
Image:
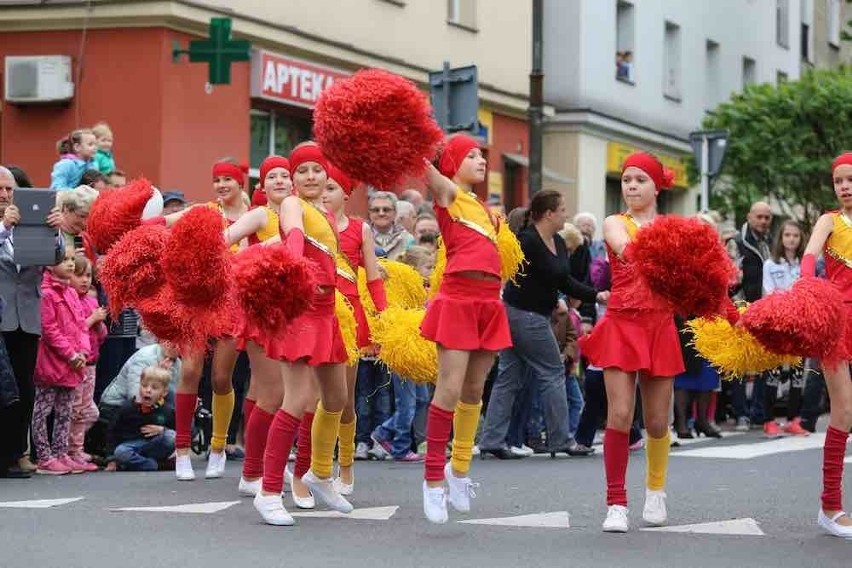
[
  {"x": 467, "y": 321},
  {"x": 312, "y": 351},
  {"x": 832, "y": 237},
  {"x": 636, "y": 338},
  {"x": 356, "y": 244},
  {"x": 228, "y": 181},
  {"x": 260, "y": 225}
]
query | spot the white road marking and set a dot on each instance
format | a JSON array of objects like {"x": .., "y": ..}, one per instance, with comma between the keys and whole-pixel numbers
[
  {"x": 38, "y": 503},
  {"x": 757, "y": 449},
  {"x": 366, "y": 514},
  {"x": 743, "y": 527},
  {"x": 555, "y": 520},
  {"x": 194, "y": 508}
]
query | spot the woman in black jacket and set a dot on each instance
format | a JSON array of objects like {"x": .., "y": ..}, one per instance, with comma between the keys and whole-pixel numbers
[{"x": 534, "y": 355}]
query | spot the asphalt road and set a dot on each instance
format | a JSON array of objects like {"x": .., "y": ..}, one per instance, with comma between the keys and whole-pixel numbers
[{"x": 772, "y": 498}]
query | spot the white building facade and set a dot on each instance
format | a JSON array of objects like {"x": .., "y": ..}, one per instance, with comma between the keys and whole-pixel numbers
[{"x": 625, "y": 75}]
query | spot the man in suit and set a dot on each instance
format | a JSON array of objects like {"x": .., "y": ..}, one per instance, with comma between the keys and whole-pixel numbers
[{"x": 20, "y": 288}]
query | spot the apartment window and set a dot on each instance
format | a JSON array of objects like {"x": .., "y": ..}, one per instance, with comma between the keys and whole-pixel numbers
[
  {"x": 781, "y": 77},
  {"x": 806, "y": 42},
  {"x": 624, "y": 50},
  {"x": 671, "y": 80},
  {"x": 462, "y": 13},
  {"x": 807, "y": 17},
  {"x": 782, "y": 23},
  {"x": 749, "y": 71},
  {"x": 714, "y": 75},
  {"x": 833, "y": 21}
]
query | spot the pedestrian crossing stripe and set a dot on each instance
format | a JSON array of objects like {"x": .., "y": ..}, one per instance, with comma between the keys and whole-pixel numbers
[
  {"x": 38, "y": 503},
  {"x": 554, "y": 520},
  {"x": 192, "y": 508},
  {"x": 365, "y": 514},
  {"x": 757, "y": 449},
  {"x": 740, "y": 527}
]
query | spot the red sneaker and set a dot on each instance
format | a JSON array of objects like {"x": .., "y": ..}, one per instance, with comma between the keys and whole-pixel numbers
[
  {"x": 794, "y": 428},
  {"x": 71, "y": 464},
  {"x": 84, "y": 465},
  {"x": 52, "y": 466},
  {"x": 771, "y": 429}
]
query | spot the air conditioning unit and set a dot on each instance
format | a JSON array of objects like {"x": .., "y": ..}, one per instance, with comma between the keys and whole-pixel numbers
[{"x": 38, "y": 79}]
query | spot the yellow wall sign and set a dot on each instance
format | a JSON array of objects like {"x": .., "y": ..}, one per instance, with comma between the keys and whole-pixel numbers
[{"x": 617, "y": 153}]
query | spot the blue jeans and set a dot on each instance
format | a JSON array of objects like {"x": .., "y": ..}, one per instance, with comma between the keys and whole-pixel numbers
[
  {"x": 534, "y": 356},
  {"x": 143, "y": 454},
  {"x": 372, "y": 398},
  {"x": 575, "y": 403},
  {"x": 397, "y": 428}
]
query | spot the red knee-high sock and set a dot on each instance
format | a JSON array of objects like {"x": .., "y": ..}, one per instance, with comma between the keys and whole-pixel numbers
[
  {"x": 616, "y": 448},
  {"x": 184, "y": 412},
  {"x": 711, "y": 408},
  {"x": 303, "y": 445},
  {"x": 248, "y": 408},
  {"x": 832, "y": 469},
  {"x": 439, "y": 423},
  {"x": 257, "y": 429},
  {"x": 282, "y": 432}
]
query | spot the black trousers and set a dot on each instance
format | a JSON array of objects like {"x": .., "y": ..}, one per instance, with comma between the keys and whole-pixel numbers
[{"x": 15, "y": 419}]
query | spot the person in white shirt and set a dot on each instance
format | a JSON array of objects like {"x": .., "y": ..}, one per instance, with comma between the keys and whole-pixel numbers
[{"x": 780, "y": 271}]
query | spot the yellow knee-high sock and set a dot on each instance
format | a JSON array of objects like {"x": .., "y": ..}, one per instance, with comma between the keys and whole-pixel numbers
[
  {"x": 346, "y": 443},
  {"x": 223, "y": 408},
  {"x": 657, "y": 456},
  {"x": 323, "y": 438},
  {"x": 465, "y": 422}
]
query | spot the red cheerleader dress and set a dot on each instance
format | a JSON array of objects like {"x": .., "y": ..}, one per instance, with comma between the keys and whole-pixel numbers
[
  {"x": 314, "y": 336},
  {"x": 467, "y": 313},
  {"x": 837, "y": 252},
  {"x": 637, "y": 333},
  {"x": 351, "y": 241}
]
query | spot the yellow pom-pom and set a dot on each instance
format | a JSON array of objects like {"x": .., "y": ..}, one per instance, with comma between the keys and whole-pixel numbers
[
  {"x": 348, "y": 327},
  {"x": 401, "y": 347},
  {"x": 403, "y": 286},
  {"x": 438, "y": 271},
  {"x": 732, "y": 350},
  {"x": 511, "y": 255}
]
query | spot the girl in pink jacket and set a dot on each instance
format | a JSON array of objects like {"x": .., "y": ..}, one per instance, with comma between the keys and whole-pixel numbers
[
  {"x": 62, "y": 354},
  {"x": 85, "y": 411}
]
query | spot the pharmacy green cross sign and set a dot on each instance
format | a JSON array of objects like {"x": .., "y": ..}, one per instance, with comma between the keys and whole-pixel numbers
[{"x": 218, "y": 51}]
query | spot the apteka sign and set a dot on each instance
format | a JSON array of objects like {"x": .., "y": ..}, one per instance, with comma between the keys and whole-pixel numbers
[{"x": 291, "y": 81}]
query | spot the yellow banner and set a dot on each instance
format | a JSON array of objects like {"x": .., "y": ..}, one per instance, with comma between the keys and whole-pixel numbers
[{"x": 617, "y": 153}]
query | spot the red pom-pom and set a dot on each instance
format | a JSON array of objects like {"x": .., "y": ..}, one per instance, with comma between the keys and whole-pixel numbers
[
  {"x": 132, "y": 271},
  {"x": 115, "y": 212},
  {"x": 809, "y": 320},
  {"x": 196, "y": 260},
  {"x": 273, "y": 286},
  {"x": 377, "y": 127},
  {"x": 683, "y": 262},
  {"x": 169, "y": 321}
]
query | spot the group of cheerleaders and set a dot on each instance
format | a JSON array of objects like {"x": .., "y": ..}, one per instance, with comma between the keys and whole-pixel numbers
[{"x": 301, "y": 389}]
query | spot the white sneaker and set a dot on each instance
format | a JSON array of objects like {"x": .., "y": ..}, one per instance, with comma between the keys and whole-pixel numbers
[
  {"x": 361, "y": 451},
  {"x": 377, "y": 452},
  {"x": 654, "y": 512},
  {"x": 475, "y": 451},
  {"x": 461, "y": 490},
  {"x": 523, "y": 451},
  {"x": 743, "y": 424},
  {"x": 249, "y": 488},
  {"x": 435, "y": 504},
  {"x": 183, "y": 468},
  {"x": 271, "y": 508},
  {"x": 616, "y": 519},
  {"x": 324, "y": 490},
  {"x": 831, "y": 525},
  {"x": 288, "y": 476},
  {"x": 215, "y": 465},
  {"x": 300, "y": 502},
  {"x": 344, "y": 488}
]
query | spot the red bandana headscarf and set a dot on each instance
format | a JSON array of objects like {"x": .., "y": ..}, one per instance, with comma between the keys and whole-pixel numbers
[
  {"x": 662, "y": 177},
  {"x": 455, "y": 151}
]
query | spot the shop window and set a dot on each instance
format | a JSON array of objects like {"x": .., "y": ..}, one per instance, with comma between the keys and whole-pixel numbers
[
  {"x": 782, "y": 23},
  {"x": 275, "y": 133},
  {"x": 624, "y": 32},
  {"x": 462, "y": 13},
  {"x": 671, "y": 79}
]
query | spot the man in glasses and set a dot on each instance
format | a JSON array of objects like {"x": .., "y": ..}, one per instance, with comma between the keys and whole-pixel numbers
[{"x": 391, "y": 239}]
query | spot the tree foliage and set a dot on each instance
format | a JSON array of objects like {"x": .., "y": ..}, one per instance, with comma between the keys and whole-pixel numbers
[{"x": 781, "y": 144}]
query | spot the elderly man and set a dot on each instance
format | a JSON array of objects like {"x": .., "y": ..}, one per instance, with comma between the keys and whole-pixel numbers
[
  {"x": 406, "y": 215},
  {"x": 391, "y": 239},
  {"x": 21, "y": 328},
  {"x": 412, "y": 196},
  {"x": 751, "y": 247},
  {"x": 588, "y": 225}
]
